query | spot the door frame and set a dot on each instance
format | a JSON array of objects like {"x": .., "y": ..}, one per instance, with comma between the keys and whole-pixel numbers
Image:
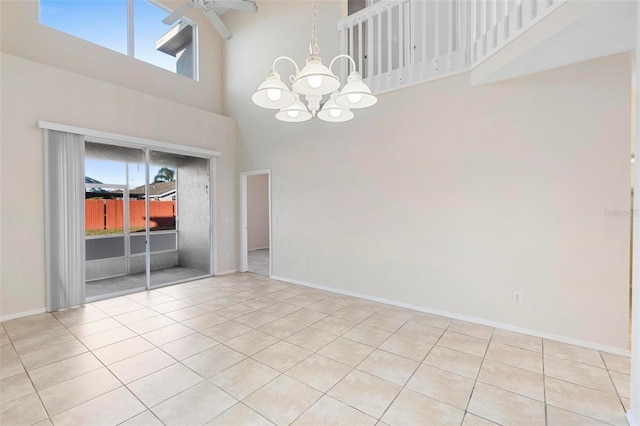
[{"x": 244, "y": 244}]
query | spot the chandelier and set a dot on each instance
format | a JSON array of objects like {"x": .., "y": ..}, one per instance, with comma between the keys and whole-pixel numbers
[{"x": 313, "y": 82}]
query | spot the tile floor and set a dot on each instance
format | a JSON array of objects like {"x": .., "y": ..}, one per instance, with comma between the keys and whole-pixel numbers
[{"x": 246, "y": 350}]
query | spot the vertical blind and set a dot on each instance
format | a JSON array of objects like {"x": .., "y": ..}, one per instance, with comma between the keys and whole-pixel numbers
[{"x": 64, "y": 219}]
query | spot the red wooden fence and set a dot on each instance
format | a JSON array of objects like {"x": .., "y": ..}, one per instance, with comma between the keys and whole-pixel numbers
[{"x": 109, "y": 214}]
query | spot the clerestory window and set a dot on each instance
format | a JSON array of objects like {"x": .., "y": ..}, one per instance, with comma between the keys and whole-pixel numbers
[{"x": 131, "y": 27}]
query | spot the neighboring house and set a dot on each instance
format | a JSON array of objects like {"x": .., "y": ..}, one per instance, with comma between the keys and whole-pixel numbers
[{"x": 159, "y": 191}]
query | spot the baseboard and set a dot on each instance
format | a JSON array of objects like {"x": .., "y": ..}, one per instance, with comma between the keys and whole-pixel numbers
[
  {"x": 631, "y": 420},
  {"x": 503, "y": 326},
  {"x": 229, "y": 271},
  {"x": 9, "y": 317}
]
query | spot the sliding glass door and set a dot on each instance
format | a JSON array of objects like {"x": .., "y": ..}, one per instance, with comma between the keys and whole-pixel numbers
[{"x": 147, "y": 219}]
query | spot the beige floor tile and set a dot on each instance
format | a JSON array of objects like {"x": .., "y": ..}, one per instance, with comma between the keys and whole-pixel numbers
[
  {"x": 52, "y": 354},
  {"x": 419, "y": 332},
  {"x": 28, "y": 321},
  {"x": 518, "y": 340},
  {"x": 411, "y": 408},
  {"x": 135, "y": 316},
  {"x": 463, "y": 343},
  {"x": 15, "y": 387},
  {"x": 226, "y": 331},
  {"x": 204, "y": 322},
  {"x": 122, "y": 309},
  {"x": 43, "y": 340},
  {"x": 365, "y": 392},
  {"x": 620, "y": 364},
  {"x": 108, "y": 303},
  {"x": 146, "y": 418},
  {"x": 162, "y": 385},
  {"x": 105, "y": 338},
  {"x": 346, "y": 351},
  {"x": 585, "y": 401},
  {"x": 626, "y": 402},
  {"x": 281, "y": 328},
  {"x": 282, "y": 400},
  {"x": 327, "y": 306},
  {"x": 155, "y": 300},
  {"x": 251, "y": 342},
  {"x": 235, "y": 311},
  {"x": 187, "y": 313},
  {"x": 515, "y": 357},
  {"x": 195, "y": 406},
  {"x": 334, "y": 325},
  {"x": 513, "y": 379},
  {"x": 140, "y": 365},
  {"x": 385, "y": 322},
  {"x": 319, "y": 372},
  {"x": 174, "y": 305},
  {"x": 260, "y": 302},
  {"x": 311, "y": 339},
  {"x": 111, "y": 408},
  {"x": 45, "y": 422},
  {"x": 239, "y": 415},
  {"x": 560, "y": 417},
  {"x": 216, "y": 304},
  {"x": 10, "y": 364},
  {"x": 505, "y": 407},
  {"x": 122, "y": 350},
  {"x": 354, "y": 313},
  {"x": 442, "y": 385},
  {"x": 471, "y": 329},
  {"x": 454, "y": 362},
  {"x": 408, "y": 348},
  {"x": 256, "y": 319},
  {"x": 94, "y": 327},
  {"x": 213, "y": 360},
  {"x": 281, "y": 309},
  {"x": 188, "y": 346},
  {"x": 572, "y": 353},
  {"x": 64, "y": 370},
  {"x": 473, "y": 420},
  {"x": 304, "y": 300},
  {"x": 431, "y": 319},
  {"x": 70, "y": 393},
  {"x": 305, "y": 317},
  {"x": 80, "y": 315},
  {"x": 282, "y": 356},
  {"x": 622, "y": 383},
  {"x": 393, "y": 368},
  {"x": 244, "y": 378},
  {"x": 26, "y": 410},
  {"x": 578, "y": 373},
  {"x": 168, "y": 334},
  {"x": 370, "y": 336},
  {"x": 150, "y": 324},
  {"x": 330, "y": 412}
]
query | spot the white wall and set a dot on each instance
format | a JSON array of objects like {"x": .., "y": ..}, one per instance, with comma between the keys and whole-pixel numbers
[
  {"x": 47, "y": 75},
  {"x": 449, "y": 196},
  {"x": 257, "y": 212}
]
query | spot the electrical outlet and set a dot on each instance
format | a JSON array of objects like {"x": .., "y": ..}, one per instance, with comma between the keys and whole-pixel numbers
[{"x": 517, "y": 297}]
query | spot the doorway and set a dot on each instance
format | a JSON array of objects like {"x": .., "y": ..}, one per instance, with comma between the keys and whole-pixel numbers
[
  {"x": 147, "y": 219},
  {"x": 256, "y": 243}
]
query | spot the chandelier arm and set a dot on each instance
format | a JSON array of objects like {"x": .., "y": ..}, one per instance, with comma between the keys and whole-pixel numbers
[
  {"x": 273, "y": 67},
  {"x": 353, "y": 62}
]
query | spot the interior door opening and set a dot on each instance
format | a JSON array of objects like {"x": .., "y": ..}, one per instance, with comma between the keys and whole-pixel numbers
[{"x": 257, "y": 250}]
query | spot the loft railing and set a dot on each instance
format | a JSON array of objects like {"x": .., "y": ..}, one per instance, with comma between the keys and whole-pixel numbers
[{"x": 397, "y": 43}]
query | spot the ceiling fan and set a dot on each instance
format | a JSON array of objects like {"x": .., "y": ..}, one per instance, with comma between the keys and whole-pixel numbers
[{"x": 211, "y": 8}]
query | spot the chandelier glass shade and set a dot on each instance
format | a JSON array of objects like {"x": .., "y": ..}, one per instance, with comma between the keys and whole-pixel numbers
[{"x": 314, "y": 82}]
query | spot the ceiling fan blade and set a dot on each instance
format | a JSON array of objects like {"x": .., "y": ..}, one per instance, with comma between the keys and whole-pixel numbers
[
  {"x": 218, "y": 24},
  {"x": 178, "y": 13},
  {"x": 243, "y": 5}
]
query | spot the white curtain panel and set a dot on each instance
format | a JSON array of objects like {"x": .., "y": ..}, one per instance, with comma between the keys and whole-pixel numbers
[{"x": 64, "y": 219}]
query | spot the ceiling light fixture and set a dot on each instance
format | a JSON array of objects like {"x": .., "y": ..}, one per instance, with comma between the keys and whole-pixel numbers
[{"x": 313, "y": 82}]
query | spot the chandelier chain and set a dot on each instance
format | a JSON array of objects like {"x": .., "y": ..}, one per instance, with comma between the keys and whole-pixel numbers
[{"x": 314, "y": 49}]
